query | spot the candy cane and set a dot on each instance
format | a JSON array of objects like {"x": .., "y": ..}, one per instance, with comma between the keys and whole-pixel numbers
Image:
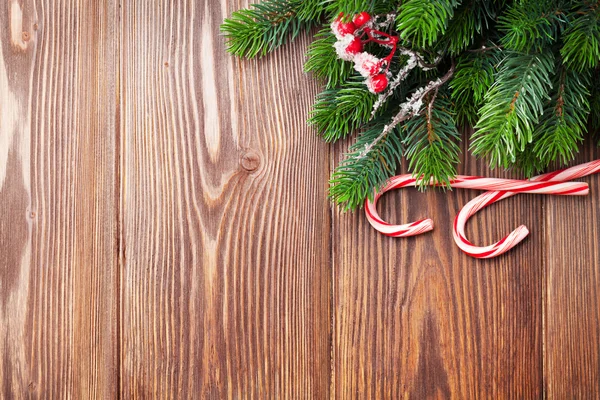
[
  {"x": 465, "y": 182},
  {"x": 516, "y": 236}
]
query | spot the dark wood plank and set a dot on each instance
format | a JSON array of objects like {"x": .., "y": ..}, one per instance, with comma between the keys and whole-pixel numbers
[
  {"x": 58, "y": 199},
  {"x": 572, "y": 295},
  {"x": 226, "y": 278},
  {"x": 416, "y": 318}
]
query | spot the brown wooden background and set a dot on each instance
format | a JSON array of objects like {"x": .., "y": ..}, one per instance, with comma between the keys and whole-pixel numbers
[{"x": 165, "y": 232}]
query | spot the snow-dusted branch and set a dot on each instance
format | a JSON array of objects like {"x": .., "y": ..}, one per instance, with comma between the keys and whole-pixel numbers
[
  {"x": 414, "y": 59},
  {"x": 408, "y": 109}
]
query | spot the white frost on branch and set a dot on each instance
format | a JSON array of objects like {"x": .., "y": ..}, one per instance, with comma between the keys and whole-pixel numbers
[
  {"x": 411, "y": 107},
  {"x": 414, "y": 59},
  {"x": 382, "y": 25},
  {"x": 402, "y": 74}
]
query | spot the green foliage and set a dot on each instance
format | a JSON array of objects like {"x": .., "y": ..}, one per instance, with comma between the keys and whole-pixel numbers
[
  {"x": 267, "y": 25},
  {"x": 339, "y": 112},
  {"x": 310, "y": 10},
  {"x": 581, "y": 49},
  {"x": 512, "y": 107},
  {"x": 527, "y": 162},
  {"x": 351, "y": 7},
  {"x": 529, "y": 25},
  {"x": 594, "y": 120},
  {"x": 565, "y": 117},
  {"x": 421, "y": 22},
  {"x": 473, "y": 77},
  {"x": 470, "y": 20},
  {"x": 525, "y": 73},
  {"x": 358, "y": 176},
  {"x": 431, "y": 143},
  {"x": 322, "y": 60}
]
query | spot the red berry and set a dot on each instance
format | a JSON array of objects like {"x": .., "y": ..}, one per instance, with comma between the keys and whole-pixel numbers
[
  {"x": 379, "y": 83},
  {"x": 361, "y": 19},
  {"x": 355, "y": 46},
  {"x": 345, "y": 27}
]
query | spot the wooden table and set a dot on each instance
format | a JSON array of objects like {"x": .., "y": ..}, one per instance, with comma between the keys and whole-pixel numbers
[{"x": 165, "y": 231}]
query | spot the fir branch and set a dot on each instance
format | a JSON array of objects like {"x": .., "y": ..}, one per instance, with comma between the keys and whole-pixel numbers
[
  {"x": 473, "y": 77},
  {"x": 512, "y": 107},
  {"x": 431, "y": 143},
  {"x": 470, "y": 21},
  {"x": 311, "y": 10},
  {"x": 528, "y": 162},
  {"x": 351, "y": 7},
  {"x": 594, "y": 119},
  {"x": 355, "y": 179},
  {"x": 581, "y": 49},
  {"x": 529, "y": 25},
  {"x": 323, "y": 61},
  {"x": 565, "y": 119},
  {"x": 267, "y": 25},
  {"x": 409, "y": 109},
  {"x": 339, "y": 112},
  {"x": 421, "y": 22},
  {"x": 414, "y": 59}
]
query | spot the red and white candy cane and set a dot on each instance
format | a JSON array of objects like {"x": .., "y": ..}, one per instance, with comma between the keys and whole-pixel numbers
[
  {"x": 464, "y": 182},
  {"x": 516, "y": 236}
]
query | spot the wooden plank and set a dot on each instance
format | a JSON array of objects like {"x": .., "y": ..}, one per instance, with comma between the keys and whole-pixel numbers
[
  {"x": 416, "y": 318},
  {"x": 225, "y": 282},
  {"x": 572, "y": 312},
  {"x": 58, "y": 200}
]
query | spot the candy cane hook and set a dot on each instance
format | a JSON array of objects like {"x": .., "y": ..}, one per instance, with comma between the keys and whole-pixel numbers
[
  {"x": 465, "y": 182},
  {"x": 516, "y": 236}
]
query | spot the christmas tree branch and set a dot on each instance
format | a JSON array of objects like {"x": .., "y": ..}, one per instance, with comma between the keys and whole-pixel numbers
[
  {"x": 431, "y": 139},
  {"x": 512, "y": 107},
  {"x": 561, "y": 132},
  {"x": 356, "y": 179},
  {"x": 269, "y": 24},
  {"x": 414, "y": 59},
  {"x": 408, "y": 109}
]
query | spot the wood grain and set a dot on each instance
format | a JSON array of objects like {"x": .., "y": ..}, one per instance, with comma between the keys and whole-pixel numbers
[
  {"x": 165, "y": 232},
  {"x": 58, "y": 200},
  {"x": 225, "y": 283},
  {"x": 572, "y": 305},
  {"x": 416, "y": 318}
]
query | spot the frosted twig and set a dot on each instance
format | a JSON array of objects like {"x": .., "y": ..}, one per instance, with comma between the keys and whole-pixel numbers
[
  {"x": 389, "y": 20},
  {"x": 414, "y": 59},
  {"x": 408, "y": 109}
]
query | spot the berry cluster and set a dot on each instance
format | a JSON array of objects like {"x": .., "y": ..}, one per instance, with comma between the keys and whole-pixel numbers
[{"x": 351, "y": 38}]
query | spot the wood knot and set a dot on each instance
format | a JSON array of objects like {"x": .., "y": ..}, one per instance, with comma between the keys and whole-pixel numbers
[
  {"x": 26, "y": 36},
  {"x": 36, "y": 27},
  {"x": 250, "y": 161}
]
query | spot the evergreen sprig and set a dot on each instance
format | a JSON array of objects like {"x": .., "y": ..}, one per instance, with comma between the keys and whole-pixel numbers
[
  {"x": 529, "y": 25},
  {"x": 581, "y": 49},
  {"x": 559, "y": 135},
  {"x": 351, "y": 7},
  {"x": 358, "y": 177},
  {"x": 524, "y": 73},
  {"x": 432, "y": 142},
  {"x": 339, "y": 112},
  {"x": 267, "y": 25},
  {"x": 513, "y": 106},
  {"x": 421, "y": 22},
  {"x": 473, "y": 77},
  {"x": 323, "y": 62}
]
